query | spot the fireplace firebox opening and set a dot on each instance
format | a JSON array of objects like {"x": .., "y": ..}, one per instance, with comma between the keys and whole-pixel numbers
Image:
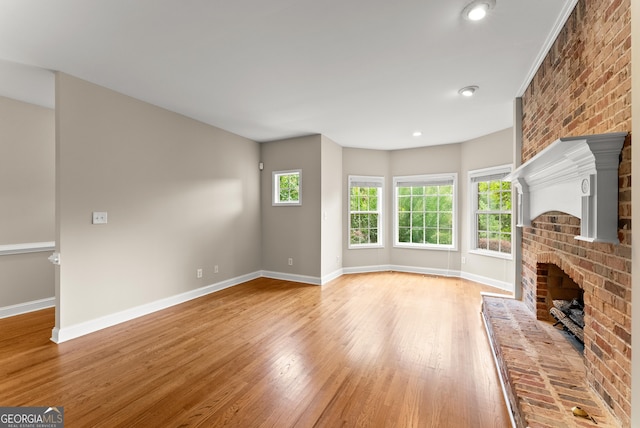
[{"x": 563, "y": 301}]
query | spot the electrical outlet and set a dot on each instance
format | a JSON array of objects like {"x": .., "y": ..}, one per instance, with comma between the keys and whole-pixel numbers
[
  {"x": 199, "y": 273},
  {"x": 215, "y": 269},
  {"x": 463, "y": 260},
  {"x": 99, "y": 217},
  {"x": 290, "y": 261}
]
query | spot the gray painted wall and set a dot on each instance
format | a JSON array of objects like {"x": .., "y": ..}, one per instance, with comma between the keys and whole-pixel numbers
[
  {"x": 180, "y": 195},
  {"x": 369, "y": 163},
  {"x": 27, "y": 196},
  {"x": 491, "y": 150},
  {"x": 293, "y": 231}
]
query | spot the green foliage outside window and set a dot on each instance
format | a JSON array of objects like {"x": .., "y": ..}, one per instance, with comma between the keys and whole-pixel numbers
[
  {"x": 425, "y": 214},
  {"x": 289, "y": 187},
  {"x": 364, "y": 215},
  {"x": 493, "y": 216}
]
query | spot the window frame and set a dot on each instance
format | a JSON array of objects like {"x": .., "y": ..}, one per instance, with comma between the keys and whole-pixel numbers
[
  {"x": 428, "y": 180},
  {"x": 479, "y": 175},
  {"x": 275, "y": 188},
  {"x": 375, "y": 181}
]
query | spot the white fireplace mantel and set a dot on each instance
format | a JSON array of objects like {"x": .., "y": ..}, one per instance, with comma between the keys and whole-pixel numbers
[{"x": 575, "y": 175}]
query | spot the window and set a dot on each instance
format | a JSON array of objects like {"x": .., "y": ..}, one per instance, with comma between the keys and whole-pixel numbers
[
  {"x": 287, "y": 187},
  {"x": 425, "y": 211},
  {"x": 365, "y": 211},
  {"x": 491, "y": 207}
]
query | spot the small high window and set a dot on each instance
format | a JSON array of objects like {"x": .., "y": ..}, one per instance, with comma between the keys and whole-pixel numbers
[{"x": 287, "y": 187}]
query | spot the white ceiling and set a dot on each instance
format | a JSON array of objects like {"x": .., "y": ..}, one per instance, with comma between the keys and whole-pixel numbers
[{"x": 365, "y": 73}]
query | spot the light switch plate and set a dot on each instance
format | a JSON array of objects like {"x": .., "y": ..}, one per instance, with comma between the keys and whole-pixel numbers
[{"x": 99, "y": 217}]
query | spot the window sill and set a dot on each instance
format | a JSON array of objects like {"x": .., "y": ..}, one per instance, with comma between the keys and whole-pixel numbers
[
  {"x": 286, "y": 204},
  {"x": 365, "y": 247},
  {"x": 493, "y": 254},
  {"x": 426, "y": 247}
]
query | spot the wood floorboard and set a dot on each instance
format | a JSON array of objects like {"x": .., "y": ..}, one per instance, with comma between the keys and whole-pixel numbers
[{"x": 368, "y": 350}]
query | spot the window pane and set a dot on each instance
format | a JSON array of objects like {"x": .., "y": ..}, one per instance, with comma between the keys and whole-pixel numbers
[
  {"x": 446, "y": 190},
  {"x": 483, "y": 221},
  {"x": 373, "y": 236},
  {"x": 431, "y": 203},
  {"x": 431, "y": 220},
  {"x": 404, "y": 203},
  {"x": 505, "y": 244},
  {"x": 494, "y": 222},
  {"x": 404, "y": 219},
  {"x": 483, "y": 201},
  {"x": 373, "y": 203},
  {"x": 445, "y": 220},
  {"x": 403, "y": 191},
  {"x": 417, "y": 236},
  {"x": 417, "y": 220},
  {"x": 446, "y": 203},
  {"x": 417, "y": 204},
  {"x": 483, "y": 242},
  {"x": 446, "y": 237},
  {"x": 494, "y": 196},
  {"x": 431, "y": 236},
  {"x": 404, "y": 234},
  {"x": 506, "y": 200},
  {"x": 505, "y": 219}
]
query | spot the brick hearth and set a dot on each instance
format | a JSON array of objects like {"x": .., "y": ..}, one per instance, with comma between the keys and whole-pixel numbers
[{"x": 542, "y": 373}]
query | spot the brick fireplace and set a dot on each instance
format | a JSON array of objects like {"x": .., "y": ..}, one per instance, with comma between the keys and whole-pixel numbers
[{"x": 583, "y": 87}]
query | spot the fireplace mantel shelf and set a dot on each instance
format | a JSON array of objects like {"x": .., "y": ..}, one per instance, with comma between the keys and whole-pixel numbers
[{"x": 575, "y": 175}]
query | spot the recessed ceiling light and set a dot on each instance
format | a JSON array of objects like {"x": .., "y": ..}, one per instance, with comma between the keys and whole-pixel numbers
[
  {"x": 468, "y": 91},
  {"x": 478, "y": 9},
  {"x": 417, "y": 133}
]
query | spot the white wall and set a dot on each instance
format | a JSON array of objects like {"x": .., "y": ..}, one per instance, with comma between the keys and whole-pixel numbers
[
  {"x": 180, "y": 196},
  {"x": 331, "y": 207}
]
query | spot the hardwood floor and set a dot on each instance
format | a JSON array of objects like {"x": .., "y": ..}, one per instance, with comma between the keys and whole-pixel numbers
[{"x": 379, "y": 350}]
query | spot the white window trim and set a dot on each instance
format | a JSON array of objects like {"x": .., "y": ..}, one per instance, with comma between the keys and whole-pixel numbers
[
  {"x": 427, "y": 178},
  {"x": 375, "y": 180},
  {"x": 275, "y": 188},
  {"x": 486, "y": 173}
]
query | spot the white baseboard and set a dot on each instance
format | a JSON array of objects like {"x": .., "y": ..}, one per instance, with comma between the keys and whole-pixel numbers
[
  {"x": 23, "y": 308},
  {"x": 431, "y": 271},
  {"x": 502, "y": 285},
  {"x": 305, "y": 279},
  {"x": 330, "y": 277},
  {"x": 59, "y": 335},
  {"x": 426, "y": 271},
  {"x": 367, "y": 269}
]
